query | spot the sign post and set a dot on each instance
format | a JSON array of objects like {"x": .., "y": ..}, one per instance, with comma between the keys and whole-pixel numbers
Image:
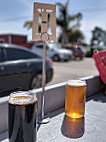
[{"x": 44, "y": 36}]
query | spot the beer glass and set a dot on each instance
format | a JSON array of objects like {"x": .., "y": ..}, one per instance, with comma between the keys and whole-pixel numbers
[
  {"x": 22, "y": 119},
  {"x": 75, "y": 98}
]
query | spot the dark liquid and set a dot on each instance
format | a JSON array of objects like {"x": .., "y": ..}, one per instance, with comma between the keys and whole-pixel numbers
[{"x": 22, "y": 122}]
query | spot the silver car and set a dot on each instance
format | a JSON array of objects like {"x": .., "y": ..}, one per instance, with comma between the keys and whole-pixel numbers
[{"x": 54, "y": 51}]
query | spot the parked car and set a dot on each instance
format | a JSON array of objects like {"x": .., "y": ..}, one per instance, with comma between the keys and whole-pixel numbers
[
  {"x": 76, "y": 50},
  {"x": 19, "y": 67},
  {"x": 54, "y": 51}
]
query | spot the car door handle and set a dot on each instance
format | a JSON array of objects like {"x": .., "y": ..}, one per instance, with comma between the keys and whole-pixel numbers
[{"x": 2, "y": 68}]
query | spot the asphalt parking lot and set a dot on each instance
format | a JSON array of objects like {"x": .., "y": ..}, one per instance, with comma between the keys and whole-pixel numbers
[{"x": 73, "y": 69}]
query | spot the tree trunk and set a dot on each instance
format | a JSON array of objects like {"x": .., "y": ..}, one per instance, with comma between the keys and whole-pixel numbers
[{"x": 64, "y": 38}]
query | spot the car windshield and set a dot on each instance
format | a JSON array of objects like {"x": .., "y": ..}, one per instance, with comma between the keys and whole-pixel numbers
[
  {"x": 78, "y": 49},
  {"x": 56, "y": 47}
]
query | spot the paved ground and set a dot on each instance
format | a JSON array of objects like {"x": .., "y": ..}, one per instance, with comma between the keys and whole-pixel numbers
[{"x": 64, "y": 71}]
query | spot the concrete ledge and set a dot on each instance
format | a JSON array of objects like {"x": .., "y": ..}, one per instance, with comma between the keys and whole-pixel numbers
[
  {"x": 54, "y": 98},
  {"x": 94, "y": 85}
]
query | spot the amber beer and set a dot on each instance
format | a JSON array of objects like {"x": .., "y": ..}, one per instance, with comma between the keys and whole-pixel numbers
[
  {"x": 75, "y": 98},
  {"x": 22, "y": 117}
]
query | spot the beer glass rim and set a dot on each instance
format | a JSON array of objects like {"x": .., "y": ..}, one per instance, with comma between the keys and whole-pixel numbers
[
  {"x": 21, "y": 93},
  {"x": 72, "y": 81},
  {"x": 14, "y": 97}
]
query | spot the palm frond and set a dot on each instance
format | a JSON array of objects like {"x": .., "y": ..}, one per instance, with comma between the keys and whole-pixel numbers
[
  {"x": 79, "y": 16},
  {"x": 60, "y": 22},
  {"x": 28, "y": 24},
  {"x": 67, "y": 3},
  {"x": 59, "y": 4}
]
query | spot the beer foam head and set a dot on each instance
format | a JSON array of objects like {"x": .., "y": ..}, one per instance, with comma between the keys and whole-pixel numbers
[
  {"x": 76, "y": 83},
  {"x": 22, "y": 98}
]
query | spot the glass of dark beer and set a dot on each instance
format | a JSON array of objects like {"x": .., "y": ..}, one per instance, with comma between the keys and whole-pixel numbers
[{"x": 22, "y": 117}]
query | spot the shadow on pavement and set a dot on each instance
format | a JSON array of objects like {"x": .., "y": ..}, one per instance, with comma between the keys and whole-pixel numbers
[
  {"x": 73, "y": 127},
  {"x": 55, "y": 113}
]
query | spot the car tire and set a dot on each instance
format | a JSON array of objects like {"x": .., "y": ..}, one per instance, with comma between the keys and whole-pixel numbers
[
  {"x": 74, "y": 58},
  {"x": 66, "y": 60},
  {"x": 56, "y": 58},
  {"x": 81, "y": 58},
  {"x": 36, "y": 82}
]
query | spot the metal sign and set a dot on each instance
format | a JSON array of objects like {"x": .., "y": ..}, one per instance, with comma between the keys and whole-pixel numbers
[{"x": 44, "y": 35}]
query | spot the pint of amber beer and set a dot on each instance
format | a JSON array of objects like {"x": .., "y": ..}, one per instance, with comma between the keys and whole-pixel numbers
[{"x": 75, "y": 98}]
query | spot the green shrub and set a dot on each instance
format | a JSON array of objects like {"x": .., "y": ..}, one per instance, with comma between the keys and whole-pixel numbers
[{"x": 89, "y": 53}]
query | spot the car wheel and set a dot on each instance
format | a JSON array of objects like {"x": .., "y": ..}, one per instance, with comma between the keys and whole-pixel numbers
[
  {"x": 66, "y": 60},
  {"x": 56, "y": 58},
  {"x": 36, "y": 81},
  {"x": 74, "y": 58},
  {"x": 81, "y": 58}
]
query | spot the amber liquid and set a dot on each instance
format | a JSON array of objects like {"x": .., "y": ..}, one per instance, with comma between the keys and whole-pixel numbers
[{"x": 75, "y": 101}]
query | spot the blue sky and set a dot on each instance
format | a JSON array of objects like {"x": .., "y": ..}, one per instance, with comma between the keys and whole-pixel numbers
[{"x": 94, "y": 14}]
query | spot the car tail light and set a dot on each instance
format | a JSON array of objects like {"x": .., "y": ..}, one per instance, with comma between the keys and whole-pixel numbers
[{"x": 50, "y": 62}]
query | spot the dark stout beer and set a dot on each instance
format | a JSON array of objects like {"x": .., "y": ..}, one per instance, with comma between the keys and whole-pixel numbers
[{"x": 22, "y": 117}]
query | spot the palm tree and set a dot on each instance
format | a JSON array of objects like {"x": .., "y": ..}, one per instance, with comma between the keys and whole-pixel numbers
[
  {"x": 98, "y": 36},
  {"x": 64, "y": 21}
]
